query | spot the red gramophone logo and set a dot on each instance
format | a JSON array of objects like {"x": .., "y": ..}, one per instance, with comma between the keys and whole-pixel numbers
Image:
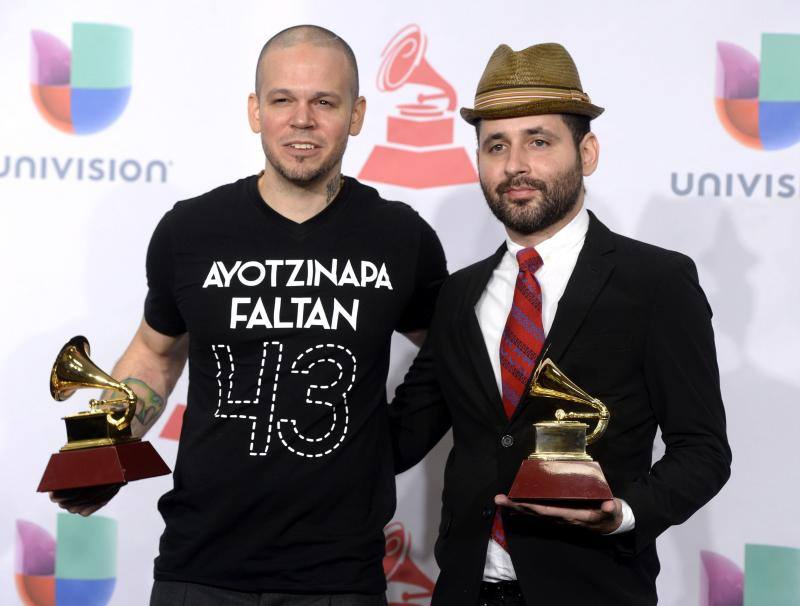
[
  {"x": 407, "y": 583},
  {"x": 419, "y": 152}
]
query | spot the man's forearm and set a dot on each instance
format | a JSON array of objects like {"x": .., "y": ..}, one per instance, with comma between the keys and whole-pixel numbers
[
  {"x": 151, "y": 366},
  {"x": 149, "y": 406}
]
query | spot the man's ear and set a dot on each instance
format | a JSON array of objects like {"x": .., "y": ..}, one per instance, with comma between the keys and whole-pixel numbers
[
  {"x": 254, "y": 113},
  {"x": 357, "y": 115},
  {"x": 590, "y": 153}
]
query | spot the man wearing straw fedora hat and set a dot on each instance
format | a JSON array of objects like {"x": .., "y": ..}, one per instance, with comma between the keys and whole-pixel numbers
[{"x": 626, "y": 321}]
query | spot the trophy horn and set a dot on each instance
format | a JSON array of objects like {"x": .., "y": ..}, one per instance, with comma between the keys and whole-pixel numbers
[
  {"x": 549, "y": 381},
  {"x": 73, "y": 369},
  {"x": 404, "y": 61}
]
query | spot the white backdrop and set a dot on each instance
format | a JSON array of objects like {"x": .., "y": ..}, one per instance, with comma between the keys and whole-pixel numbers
[{"x": 73, "y": 249}]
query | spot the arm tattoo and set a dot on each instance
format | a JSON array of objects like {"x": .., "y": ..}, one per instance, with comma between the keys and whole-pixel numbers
[
  {"x": 332, "y": 188},
  {"x": 149, "y": 404}
]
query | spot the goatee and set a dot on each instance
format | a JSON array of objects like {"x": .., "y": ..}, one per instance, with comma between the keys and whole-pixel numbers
[
  {"x": 558, "y": 198},
  {"x": 305, "y": 175}
]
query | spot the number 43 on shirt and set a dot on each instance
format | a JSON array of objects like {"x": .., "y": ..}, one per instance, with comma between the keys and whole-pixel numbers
[{"x": 260, "y": 409}]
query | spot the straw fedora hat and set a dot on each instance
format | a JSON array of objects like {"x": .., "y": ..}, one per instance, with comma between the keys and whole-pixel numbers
[{"x": 542, "y": 79}]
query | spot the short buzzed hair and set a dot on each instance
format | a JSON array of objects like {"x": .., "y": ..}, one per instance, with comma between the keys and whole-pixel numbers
[{"x": 309, "y": 34}]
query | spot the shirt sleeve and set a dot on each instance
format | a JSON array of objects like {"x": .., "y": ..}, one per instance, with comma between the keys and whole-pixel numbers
[
  {"x": 160, "y": 308},
  {"x": 628, "y": 519},
  {"x": 431, "y": 272}
]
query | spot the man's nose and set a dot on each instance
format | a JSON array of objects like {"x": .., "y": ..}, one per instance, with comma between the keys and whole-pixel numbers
[
  {"x": 517, "y": 161},
  {"x": 302, "y": 117}
]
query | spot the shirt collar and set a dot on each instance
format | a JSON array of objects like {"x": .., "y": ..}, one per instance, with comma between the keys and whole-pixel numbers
[{"x": 572, "y": 234}]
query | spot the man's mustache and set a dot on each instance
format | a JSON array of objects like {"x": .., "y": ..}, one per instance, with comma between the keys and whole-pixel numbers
[{"x": 521, "y": 182}]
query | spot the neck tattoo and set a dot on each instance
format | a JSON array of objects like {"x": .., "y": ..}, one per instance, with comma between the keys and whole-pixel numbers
[{"x": 332, "y": 188}]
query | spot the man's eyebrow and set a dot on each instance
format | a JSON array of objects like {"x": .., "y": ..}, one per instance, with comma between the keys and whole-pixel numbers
[
  {"x": 326, "y": 93},
  {"x": 540, "y": 130},
  {"x": 495, "y": 136},
  {"x": 316, "y": 95},
  {"x": 535, "y": 130}
]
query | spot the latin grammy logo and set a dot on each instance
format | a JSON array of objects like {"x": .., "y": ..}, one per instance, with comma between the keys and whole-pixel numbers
[
  {"x": 400, "y": 569},
  {"x": 419, "y": 151}
]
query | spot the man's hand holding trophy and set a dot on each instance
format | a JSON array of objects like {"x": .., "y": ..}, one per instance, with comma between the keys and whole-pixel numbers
[
  {"x": 559, "y": 479},
  {"x": 101, "y": 453}
]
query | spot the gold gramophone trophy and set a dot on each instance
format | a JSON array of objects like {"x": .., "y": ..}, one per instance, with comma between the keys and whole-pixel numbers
[
  {"x": 100, "y": 448},
  {"x": 559, "y": 470}
]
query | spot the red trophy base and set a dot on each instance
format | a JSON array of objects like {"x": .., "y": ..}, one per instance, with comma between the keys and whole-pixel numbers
[
  {"x": 575, "y": 483},
  {"x": 116, "y": 464},
  {"x": 418, "y": 169}
]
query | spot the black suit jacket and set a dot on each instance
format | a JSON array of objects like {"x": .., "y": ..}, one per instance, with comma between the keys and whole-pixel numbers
[{"x": 633, "y": 328}]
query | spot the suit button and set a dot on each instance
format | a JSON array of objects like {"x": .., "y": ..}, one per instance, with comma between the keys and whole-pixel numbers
[
  {"x": 487, "y": 511},
  {"x": 507, "y": 441}
]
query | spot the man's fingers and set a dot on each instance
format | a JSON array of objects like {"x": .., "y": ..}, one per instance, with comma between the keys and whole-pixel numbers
[
  {"x": 87, "y": 511},
  {"x": 79, "y": 510},
  {"x": 503, "y": 501},
  {"x": 83, "y": 509},
  {"x": 84, "y": 501},
  {"x": 569, "y": 514},
  {"x": 583, "y": 517},
  {"x": 589, "y": 518},
  {"x": 86, "y": 493},
  {"x": 563, "y": 513},
  {"x": 81, "y": 503},
  {"x": 599, "y": 519},
  {"x": 609, "y": 506}
]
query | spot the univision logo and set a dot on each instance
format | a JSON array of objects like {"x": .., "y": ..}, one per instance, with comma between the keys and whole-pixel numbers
[
  {"x": 85, "y": 90},
  {"x": 759, "y": 104},
  {"x": 769, "y": 577},
  {"x": 77, "y": 568},
  {"x": 82, "y": 91}
]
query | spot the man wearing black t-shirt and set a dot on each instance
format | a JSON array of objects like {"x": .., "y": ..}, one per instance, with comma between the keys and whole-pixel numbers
[{"x": 283, "y": 290}]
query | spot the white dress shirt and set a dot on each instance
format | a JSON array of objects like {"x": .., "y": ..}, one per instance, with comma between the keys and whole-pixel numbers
[{"x": 559, "y": 254}]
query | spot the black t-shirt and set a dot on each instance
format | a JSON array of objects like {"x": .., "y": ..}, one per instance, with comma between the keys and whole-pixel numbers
[{"x": 284, "y": 477}]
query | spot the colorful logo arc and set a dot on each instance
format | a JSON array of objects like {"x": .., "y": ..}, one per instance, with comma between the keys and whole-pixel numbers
[
  {"x": 759, "y": 104},
  {"x": 769, "y": 578},
  {"x": 84, "y": 90},
  {"x": 78, "y": 568}
]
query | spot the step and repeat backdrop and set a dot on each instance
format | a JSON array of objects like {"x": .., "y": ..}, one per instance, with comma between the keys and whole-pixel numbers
[{"x": 110, "y": 112}]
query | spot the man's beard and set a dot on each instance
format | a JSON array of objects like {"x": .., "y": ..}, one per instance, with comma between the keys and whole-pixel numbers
[
  {"x": 302, "y": 175},
  {"x": 557, "y": 199}
]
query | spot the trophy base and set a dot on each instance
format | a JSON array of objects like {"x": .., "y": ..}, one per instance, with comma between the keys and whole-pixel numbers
[
  {"x": 115, "y": 464},
  {"x": 95, "y": 442},
  {"x": 568, "y": 483},
  {"x": 418, "y": 169}
]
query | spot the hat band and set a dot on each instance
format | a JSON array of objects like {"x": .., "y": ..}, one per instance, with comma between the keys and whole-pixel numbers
[{"x": 518, "y": 96}]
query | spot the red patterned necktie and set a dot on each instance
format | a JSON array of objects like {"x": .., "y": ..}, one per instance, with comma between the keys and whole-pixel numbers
[{"x": 519, "y": 346}]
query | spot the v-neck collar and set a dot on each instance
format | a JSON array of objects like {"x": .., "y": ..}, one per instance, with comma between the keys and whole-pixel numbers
[{"x": 301, "y": 230}]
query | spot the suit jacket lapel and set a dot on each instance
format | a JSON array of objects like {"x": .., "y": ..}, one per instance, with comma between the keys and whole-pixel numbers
[
  {"x": 592, "y": 270},
  {"x": 476, "y": 346}
]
